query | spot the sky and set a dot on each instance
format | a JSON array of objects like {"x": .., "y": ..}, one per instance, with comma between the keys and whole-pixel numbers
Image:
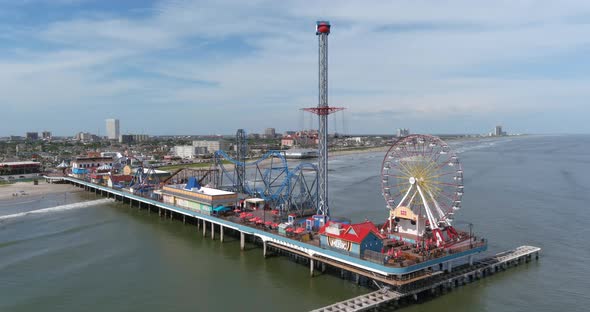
[{"x": 211, "y": 67}]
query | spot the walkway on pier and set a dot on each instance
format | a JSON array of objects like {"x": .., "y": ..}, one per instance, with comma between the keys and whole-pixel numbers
[
  {"x": 477, "y": 270},
  {"x": 363, "y": 302}
]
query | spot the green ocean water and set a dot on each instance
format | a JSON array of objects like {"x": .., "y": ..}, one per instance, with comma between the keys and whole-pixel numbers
[{"x": 531, "y": 190}]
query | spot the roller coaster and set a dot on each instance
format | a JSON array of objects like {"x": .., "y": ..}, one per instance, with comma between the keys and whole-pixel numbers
[
  {"x": 289, "y": 190},
  {"x": 144, "y": 178}
]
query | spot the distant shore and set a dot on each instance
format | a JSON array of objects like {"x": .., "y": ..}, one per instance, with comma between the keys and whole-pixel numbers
[
  {"x": 359, "y": 151},
  {"x": 28, "y": 189}
]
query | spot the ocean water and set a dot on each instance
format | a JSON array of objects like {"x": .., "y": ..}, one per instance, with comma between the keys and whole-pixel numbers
[{"x": 105, "y": 256}]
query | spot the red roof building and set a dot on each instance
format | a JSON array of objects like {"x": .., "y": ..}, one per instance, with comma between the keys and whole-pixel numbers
[{"x": 353, "y": 239}]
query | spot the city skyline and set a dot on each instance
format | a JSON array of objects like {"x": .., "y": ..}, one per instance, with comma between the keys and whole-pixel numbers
[{"x": 187, "y": 67}]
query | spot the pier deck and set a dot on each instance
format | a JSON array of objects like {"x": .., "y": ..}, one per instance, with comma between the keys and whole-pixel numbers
[
  {"x": 457, "y": 278},
  {"x": 393, "y": 289}
]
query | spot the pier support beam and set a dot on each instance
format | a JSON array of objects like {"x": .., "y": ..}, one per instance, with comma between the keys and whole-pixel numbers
[
  {"x": 264, "y": 249},
  {"x": 221, "y": 233},
  {"x": 212, "y": 230},
  {"x": 183, "y": 219},
  {"x": 204, "y": 228},
  {"x": 242, "y": 240},
  {"x": 311, "y": 267}
]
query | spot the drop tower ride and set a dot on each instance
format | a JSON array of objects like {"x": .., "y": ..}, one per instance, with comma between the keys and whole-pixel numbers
[{"x": 323, "y": 110}]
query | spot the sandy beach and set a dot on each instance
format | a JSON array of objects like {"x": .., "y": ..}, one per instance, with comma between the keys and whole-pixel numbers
[{"x": 28, "y": 189}]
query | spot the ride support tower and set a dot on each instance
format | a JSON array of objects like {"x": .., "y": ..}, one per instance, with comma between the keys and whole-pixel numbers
[
  {"x": 240, "y": 167},
  {"x": 323, "y": 110}
]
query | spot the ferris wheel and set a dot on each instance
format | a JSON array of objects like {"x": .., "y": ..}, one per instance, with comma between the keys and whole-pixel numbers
[{"x": 422, "y": 178}]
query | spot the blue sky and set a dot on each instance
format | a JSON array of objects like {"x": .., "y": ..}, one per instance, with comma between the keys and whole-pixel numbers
[{"x": 201, "y": 67}]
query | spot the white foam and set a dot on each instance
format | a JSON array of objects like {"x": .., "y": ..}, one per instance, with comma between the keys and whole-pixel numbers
[{"x": 59, "y": 208}]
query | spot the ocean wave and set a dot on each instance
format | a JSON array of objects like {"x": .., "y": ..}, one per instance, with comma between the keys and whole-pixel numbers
[{"x": 59, "y": 208}]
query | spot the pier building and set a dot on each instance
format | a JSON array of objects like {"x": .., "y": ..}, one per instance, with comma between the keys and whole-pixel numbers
[
  {"x": 199, "y": 199},
  {"x": 352, "y": 239}
]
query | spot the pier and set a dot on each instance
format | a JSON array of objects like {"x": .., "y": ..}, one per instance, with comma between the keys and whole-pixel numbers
[
  {"x": 396, "y": 284},
  {"x": 439, "y": 284}
]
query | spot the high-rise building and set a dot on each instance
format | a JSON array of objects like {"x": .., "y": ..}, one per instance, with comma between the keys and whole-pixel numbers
[
  {"x": 113, "y": 129},
  {"x": 46, "y": 135},
  {"x": 140, "y": 137},
  {"x": 86, "y": 137},
  {"x": 402, "y": 132},
  {"x": 270, "y": 133},
  {"x": 126, "y": 138},
  {"x": 33, "y": 136},
  {"x": 498, "y": 131}
]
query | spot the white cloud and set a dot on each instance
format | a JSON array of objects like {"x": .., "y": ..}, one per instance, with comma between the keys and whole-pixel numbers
[{"x": 398, "y": 56}]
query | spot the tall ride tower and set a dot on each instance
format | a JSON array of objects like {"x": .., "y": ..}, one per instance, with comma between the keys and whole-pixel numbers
[
  {"x": 323, "y": 110},
  {"x": 240, "y": 167}
]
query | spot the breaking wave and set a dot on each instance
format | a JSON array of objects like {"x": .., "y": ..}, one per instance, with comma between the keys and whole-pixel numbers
[{"x": 59, "y": 208}]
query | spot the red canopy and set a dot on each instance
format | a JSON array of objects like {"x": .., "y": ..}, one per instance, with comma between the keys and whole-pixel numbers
[{"x": 268, "y": 222}]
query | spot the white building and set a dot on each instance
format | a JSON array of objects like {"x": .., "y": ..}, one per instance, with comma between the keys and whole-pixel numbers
[
  {"x": 212, "y": 146},
  {"x": 113, "y": 129},
  {"x": 189, "y": 151}
]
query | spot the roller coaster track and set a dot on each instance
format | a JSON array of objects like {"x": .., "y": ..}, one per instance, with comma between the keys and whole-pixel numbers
[{"x": 294, "y": 190}]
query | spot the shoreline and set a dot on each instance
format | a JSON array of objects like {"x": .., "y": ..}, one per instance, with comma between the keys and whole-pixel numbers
[{"x": 28, "y": 189}]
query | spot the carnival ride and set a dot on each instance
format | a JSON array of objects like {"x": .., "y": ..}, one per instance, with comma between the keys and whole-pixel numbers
[
  {"x": 144, "y": 179},
  {"x": 422, "y": 183},
  {"x": 289, "y": 190}
]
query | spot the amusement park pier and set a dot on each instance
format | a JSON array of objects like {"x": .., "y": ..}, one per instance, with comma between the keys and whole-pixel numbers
[{"x": 415, "y": 251}]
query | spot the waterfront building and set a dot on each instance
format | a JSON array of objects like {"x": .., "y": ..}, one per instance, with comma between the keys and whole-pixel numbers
[
  {"x": 112, "y": 126},
  {"x": 86, "y": 164},
  {"x": 19, "y": 167},
  {"x": 119, "y": 180},
  {"x": 351, "y": 239},
  {"x": 498, "y": 131},
  {"x": 200, "y": 199}
]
